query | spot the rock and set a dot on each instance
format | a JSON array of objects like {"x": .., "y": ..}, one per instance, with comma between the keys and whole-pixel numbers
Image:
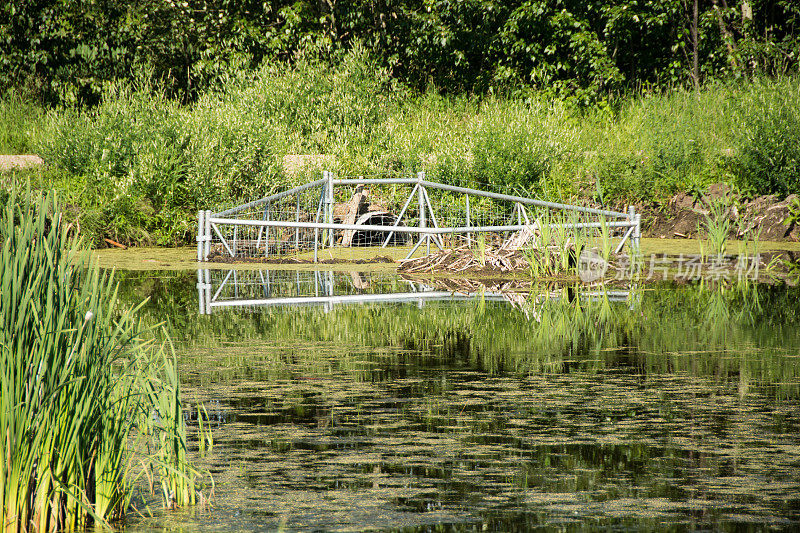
[
  {"x": 676, "y": 223},
  {"x": 294, "y": 164},
  {"x": 766, "y": 215},
  {"x": 18, "y": 162},
  {"x": 683, "y": 214},
  {"x": 718, "y": 192},
  {"x": 683, "y": 201}
]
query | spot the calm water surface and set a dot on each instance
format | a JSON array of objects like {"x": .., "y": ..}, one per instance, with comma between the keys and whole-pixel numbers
[{"x": 514, "y": 408}]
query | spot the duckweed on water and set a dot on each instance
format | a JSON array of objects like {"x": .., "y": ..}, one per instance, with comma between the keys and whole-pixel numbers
[{"x": 672, "y": 408}]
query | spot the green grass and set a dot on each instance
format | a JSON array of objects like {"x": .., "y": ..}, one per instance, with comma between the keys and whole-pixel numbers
[
  {"x": 85, "y": 387},
  {"x": 139, "y": 165},
  {"x": 18, "y": 122}
]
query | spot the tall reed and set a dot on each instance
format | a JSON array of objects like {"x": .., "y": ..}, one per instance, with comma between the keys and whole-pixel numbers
[
  {"x": 559, "y": 245},
  {"x": 79, "y": 379},
  {"x": 717, "y": 225}
]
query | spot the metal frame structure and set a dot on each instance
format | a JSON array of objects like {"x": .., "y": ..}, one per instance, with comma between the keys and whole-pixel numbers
[{"x": 224, "y": 229}]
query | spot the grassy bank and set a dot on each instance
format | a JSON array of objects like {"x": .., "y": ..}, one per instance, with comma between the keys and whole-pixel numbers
[
  {"x": 89, "y": 398},
  {"x": 137, "y": 167}
]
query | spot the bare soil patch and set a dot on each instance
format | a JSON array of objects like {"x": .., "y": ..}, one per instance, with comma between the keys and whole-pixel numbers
[
  {"x": 19, "y": 162},
  {"x": 684, "y": 215}
]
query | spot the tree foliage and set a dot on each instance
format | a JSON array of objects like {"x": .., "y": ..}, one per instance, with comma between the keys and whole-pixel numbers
[{"x": 589, "y": 50}]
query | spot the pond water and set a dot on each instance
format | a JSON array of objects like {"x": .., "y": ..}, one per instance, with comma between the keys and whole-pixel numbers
[{"x": 361, "y": 401}]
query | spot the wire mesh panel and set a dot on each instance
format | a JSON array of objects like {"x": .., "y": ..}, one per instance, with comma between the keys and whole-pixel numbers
[
  {"x": 243, "y": 240},
  {"x": 360, "y": 219},
  {"x": 372, "y": 204}
]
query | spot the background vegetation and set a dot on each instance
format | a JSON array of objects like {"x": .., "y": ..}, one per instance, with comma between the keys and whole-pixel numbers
[
  {"x": 66, "y": 51},
  {"x": 146, "y": 112}
]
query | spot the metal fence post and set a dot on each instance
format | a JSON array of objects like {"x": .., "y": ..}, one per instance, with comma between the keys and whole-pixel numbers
[
  {"x": 632, "y": 220},
  {"x": 320, "y": 212},
  {"x": 267, "y": 215},
  {"x": 469, "y": 235},
  {"x": 235, "y": 235},
  {"x": 207, "y": 235},
  {"x": 200, "y": 226},
  {"x": 330, "y": 208},
  {"x": 297, "y": 219},
  {"x": 421, "y": 201}
]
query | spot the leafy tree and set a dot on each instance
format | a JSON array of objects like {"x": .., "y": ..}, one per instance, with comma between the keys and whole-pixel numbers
[{"x": 587, "y": 50}]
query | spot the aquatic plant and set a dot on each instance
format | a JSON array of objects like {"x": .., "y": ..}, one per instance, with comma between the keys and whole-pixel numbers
[
  {"x": 481, "y": 252},
  {"x": 605, "y": 239},
  {"x": 794, "y": 213},
  {"x": 560, "y": 242},
  {"x": 82, "y": 381},
  {"x": 751, "y": 244},
  {"x": 716, "y": 226}
]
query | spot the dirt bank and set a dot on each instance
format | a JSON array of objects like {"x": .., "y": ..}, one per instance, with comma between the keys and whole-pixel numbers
[{"x": 684, "y": 215}]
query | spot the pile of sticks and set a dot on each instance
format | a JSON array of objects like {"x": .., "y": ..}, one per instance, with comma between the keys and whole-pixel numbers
[{"x": 464, "y": 259}]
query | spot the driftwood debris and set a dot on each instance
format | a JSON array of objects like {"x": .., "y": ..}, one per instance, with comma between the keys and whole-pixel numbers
[
  {"x": 464, "y": 259},
  {"x": 520, "y": 239},
  {"x": 353, "y": 209},
  {"x": 466, "y": 285},
  {"x": 514, "y": 291}
]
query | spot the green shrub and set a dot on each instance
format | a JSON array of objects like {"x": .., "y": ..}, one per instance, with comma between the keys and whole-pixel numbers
[
  {"x": 140, "y": 165},
  {"x": 147, "y": 163},
  {"x": 516, "y": 145},
  {"x": 658, "y": 145},
  {"x": 768, "y": 138}
]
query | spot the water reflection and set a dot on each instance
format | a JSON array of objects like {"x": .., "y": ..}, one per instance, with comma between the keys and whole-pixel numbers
[
  {"x": 269, "y": 288},
  {"x": 660, "y": 408}
]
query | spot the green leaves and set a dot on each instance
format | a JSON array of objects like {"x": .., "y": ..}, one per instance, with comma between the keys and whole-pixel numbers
[
  {"x": 768, "y": 137},
  {"x": 65, "y": 52},
  {"x": 77, "y": 373}
]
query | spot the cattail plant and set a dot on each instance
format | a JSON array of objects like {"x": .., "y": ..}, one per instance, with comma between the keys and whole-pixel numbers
[{"x": 78, "y": 376}]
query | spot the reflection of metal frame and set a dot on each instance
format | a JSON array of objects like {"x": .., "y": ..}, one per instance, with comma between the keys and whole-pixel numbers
[
  {"x": 613, "y": 296},
  {"x": 323, "y": 293},
  {"x": 318, "y": 288}
]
